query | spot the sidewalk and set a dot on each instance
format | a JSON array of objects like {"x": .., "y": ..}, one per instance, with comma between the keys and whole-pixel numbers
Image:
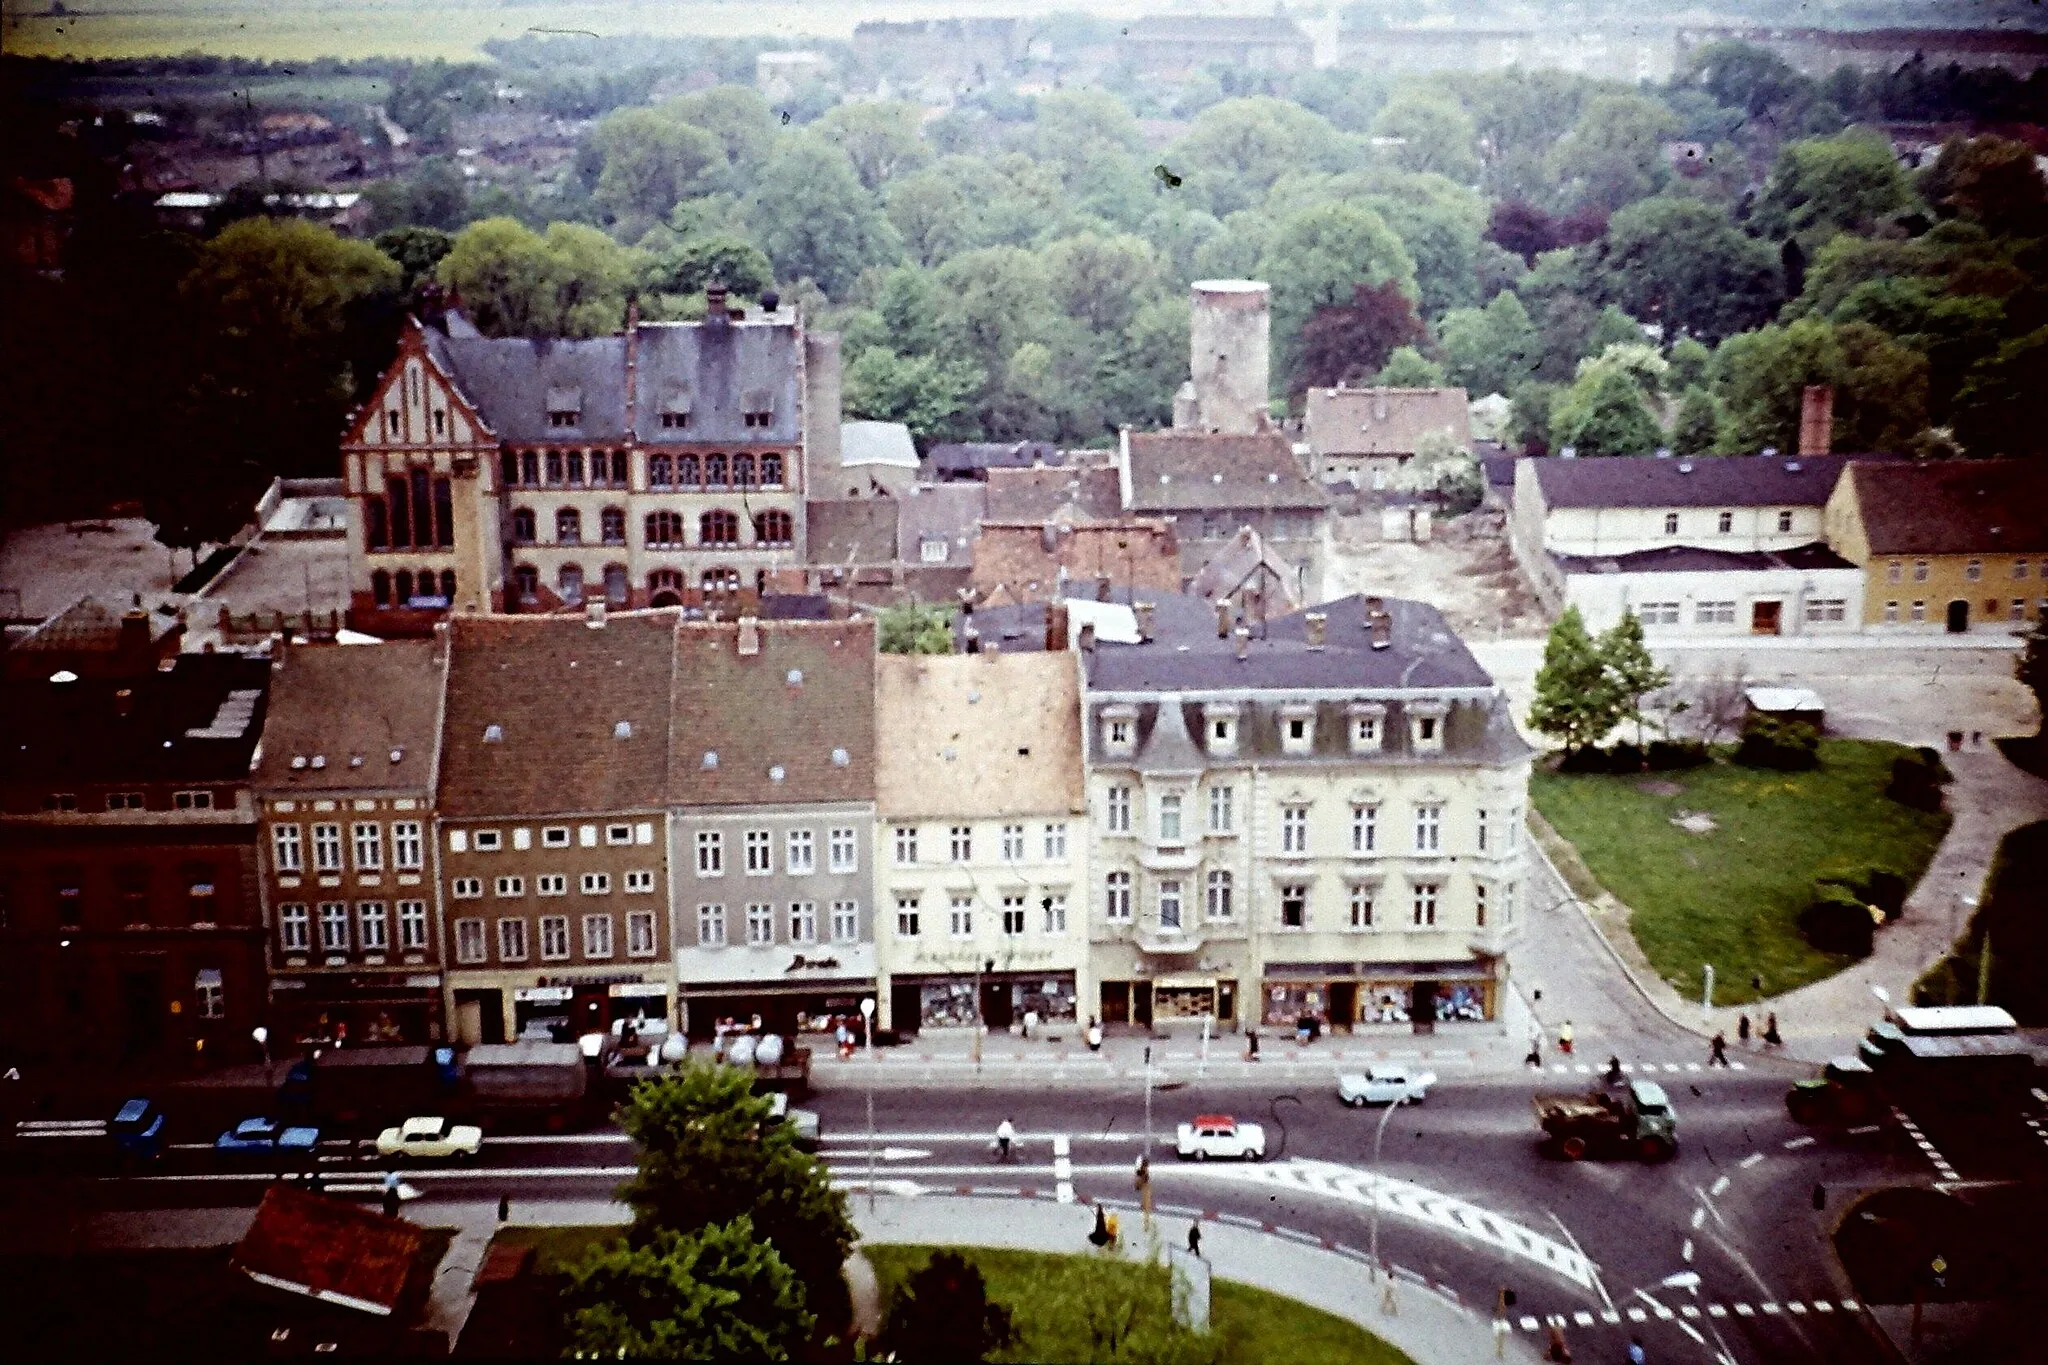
[{"x": 1428, "y": 1327}]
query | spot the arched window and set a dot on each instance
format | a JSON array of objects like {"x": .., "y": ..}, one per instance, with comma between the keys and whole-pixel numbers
[
  {"x": 718, "y": 527},
  {"x": 742, "y": 471},
  {"x": 664, "y": 529},
  {"x": 522, "y": 526},
  {"x": 526, "y": 583},
  {"x": 721, "y": 580},
  {"x": 377, "y": 528},
  {"x": 771, "y": 470},
  {"x": 404, "y": 582},
  {"x": 570, "y": 583},
  {"x": 448, "y": 585},
  {"x": 380, "y": 588},
  {"x": 659, "y": 471},
  {"x": 569, "y": 526},
  {"x": 612, "y": 525},
  {"x": 773, "y": 528},
  {"x": 616, "y": 586},
  {"x": 714, "y": 471},
  {"x": 664, "y": 588},
  {"x": 686, "y": 471}
]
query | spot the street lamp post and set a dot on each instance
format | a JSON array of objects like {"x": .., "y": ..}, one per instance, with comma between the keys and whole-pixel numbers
[
  {"x": 867, "y": 1024},
  {"x": 1378, "y": 1138}
]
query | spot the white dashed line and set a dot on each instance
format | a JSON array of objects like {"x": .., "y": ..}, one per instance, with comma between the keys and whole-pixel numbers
[
  {"x": 1823, "y": 1306},
  {"x": 1687, "y": 1253},
  {"x": 1699, "y": 1216},
  {"x": 1794, "y": 1144},
  {"x": 1796, "y": 1306},
  {"x": 1637, "y": 1315},
  {"x": 1688, "y": 1310},
  {"x": 1529, "y": 1324},
  {"x": 1583, "y": 1318},
  {"x": 1715, "y": 1310},
  {"x": 1769, "y": 1307},
  {"x": 1750, "y": 1160},
  {"x": 1866, "y": 1129},
  {"x": 1720, "y": 1186},
  {"x": 1743, "y": 1310}
]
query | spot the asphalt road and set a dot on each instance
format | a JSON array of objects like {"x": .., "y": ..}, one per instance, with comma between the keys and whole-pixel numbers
[{"x": 1479, "y": 1208}]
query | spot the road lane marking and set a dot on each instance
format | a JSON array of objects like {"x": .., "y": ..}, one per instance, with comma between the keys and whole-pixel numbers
[
  {"x": 1866, "y": 1129},
  {"x": 1688, "y": 1330},
  {"x": 1583, "y": 1318},
  {"x": 1796, "y": 1306},
  {"x": 1529, "y": 1324},
  {"x": 1770, "y": 1308},
  {"x": 1688, "y": 1310},
  {"x": 1686, "y": 1255},
  {"x": 1720, "y": 1186},
  {"x": 1637, "y": 1315},
  {"x": 1699, "y": 1216},
  {"x": 1743, "y": 1310},
  {"x": 1794, "y": 1144},
  {"x": 1823, "y": 1306},
  {"x": 1715, "y": 1310},
  {"x": 1750, "y": 1160}
]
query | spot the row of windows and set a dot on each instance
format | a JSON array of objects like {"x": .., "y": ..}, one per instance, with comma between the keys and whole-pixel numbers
[
  {"x": 1362, "y": 902},
  {"x": 1973, "y": 570},
  {"x": 799, "y": 853},
  {"x": 67, "y": 802},
  {"x": 1012, "y": 840},
  {"x": 551, "y": 836},
  {"x": 1169, "y": 823},
  {"x": 664, "y": 530},
  {"x": 368, "y": 928},
  {"x": 608, "y": 468},
  {"x": 2015, "y": 610},
  {"x": 416, "y": 512},
  {"x": 760, "y": 923},
  {"x": 472, "y": 947},
  {"x": 288, "y": 847},
  {"x": 404, "y": 589},
  {"x": 1724, "y": 522},
  {"x": 1819, "y": 610},
  {"x": 1365, "y": 729},
  {"x": 639, "y": 882},
  {"x": 135, "y": 901},
  {"x": 1013, "y": 913}
]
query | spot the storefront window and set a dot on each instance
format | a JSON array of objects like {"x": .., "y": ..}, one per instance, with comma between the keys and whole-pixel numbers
[
  {"x": 948, "y": 1004},
  {"x": 1183, "y": 1002},
  {"x": 1287, "y": 1002},
  {"x": 1383, "y": 1002},
  {"x": 1456, "y": 1001},
  {"x": 1052, "y": 999}
]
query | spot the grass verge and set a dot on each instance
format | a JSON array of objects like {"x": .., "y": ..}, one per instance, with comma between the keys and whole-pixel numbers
[
  {"x": 556, "y": 1249},
  {"x": 2014, "y": 922},
  {"x": 1731, "y": 897},
  {"x": 1049, "y": 1295}
]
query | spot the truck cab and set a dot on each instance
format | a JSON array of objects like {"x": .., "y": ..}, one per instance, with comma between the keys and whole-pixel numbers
[{"x": 1638, "y": 1121}]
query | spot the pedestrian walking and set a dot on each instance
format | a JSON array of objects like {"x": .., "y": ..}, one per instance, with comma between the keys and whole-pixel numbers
[
  {"x": 1718, "y": 1054},
  {"x": 1100, "y": 1236},
  {"x": 504, "y": 1208},
  {"x": 1251, "y": 1045},
  {"x": 391, "y": 1196},
  {"x": 1614, "y": 1070},
  {"x": 1535, "y": 1057},
  {"x": 1636, "y": 1354},
  {"x": 1195, "y": 1239},
  {"x": 1564, "y": 1038},
  {"x": 1742, "y": 1030},
  {"x": 1094, "y": 1035},
  {"x": 1772, "y": 1038},
  {"x": 1558, "y": 1350}
]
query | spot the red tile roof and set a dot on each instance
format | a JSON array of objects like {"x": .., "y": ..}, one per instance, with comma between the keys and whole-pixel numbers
[{"x": 334, "y": 1250}]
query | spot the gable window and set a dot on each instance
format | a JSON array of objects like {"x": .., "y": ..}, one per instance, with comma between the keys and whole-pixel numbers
[
  {"x": 1725, "y": 523},
  {"x": 1425, "y": 904},
  {"x": 1221, "y": 816},
  {"x": 803, "y": 921},
  {"x": 1218, "y": 893},
  {"x": 906, "y": 845},
  {"x": 1294, "y": 829},
  {"x": 1365, "y": 829},
  {"x": 1117, "y": 810},
  {"x": 1169, "y": 818},
  {"x": 1671, "y": 523},
  {"x": 1297, "y": 729},
  {"x": 1294, "y": 905},
  {"x": 1361, "y": 906},
  {"x": 1116, "y": 902},
  {"x": 803, "y": 852},
  {"x": 1366, "y": 731},
  {"x": 962, "y": 843},
  {"x": 718, "y": 527},
  {"x": 841, "y": 850},
  {"x": 906, "y": 916}
]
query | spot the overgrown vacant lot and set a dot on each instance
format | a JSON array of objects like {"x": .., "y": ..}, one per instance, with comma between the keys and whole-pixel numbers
[{"x": 1732, "y": 896}]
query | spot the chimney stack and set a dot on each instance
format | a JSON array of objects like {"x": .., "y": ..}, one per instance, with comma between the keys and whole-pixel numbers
[
  {"x": 1056, "y": 625},
  {"x": 750, "y": 636},
  {"x": 1143, "y": 611},
  {"x": 1244, "y": 642},
  {"x": 1817, "y": 419},
  {"x": 1382, "y": 627},
  {"x": 1312, "y": 626},
  {"x": 1102, "y": 588},
  {"x": 1087, "y": 637},
  {"x": 1223, "y": 618},
  {"x": 593, "y": 613}
]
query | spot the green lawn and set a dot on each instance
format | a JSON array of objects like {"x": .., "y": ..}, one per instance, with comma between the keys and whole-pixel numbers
[
  {"x": 556, "y": 1249},
  {"x": 1250, "y": 1326},
  {"x": 1731, "y": 897}
]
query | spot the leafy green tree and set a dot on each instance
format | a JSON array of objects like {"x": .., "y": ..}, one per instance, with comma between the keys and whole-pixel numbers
[
  {"x": 2031, "y": 669},
  {"x": 1442, "y": 234},
  {"x": 1631, "y": 673},
  {"x": 882, "y": 138},
  {"x": 1637, "y": 359},
  {"x": 1102, "y": 281},
  {"x": 717, "y": 1293},
  {"x": 739, "y": 118},
  {"x": 1689, "y": 358},
  {"x": 417, "y": 250},
  {"x": 1237, "y": 149},
  {"x": 1517, "y": 115},
  {"x": 1996, "y": 412},
  {"x": 931, "y": 213},
  {"x": 1821, "y": 186},
  {"x": 909, "y": 308},
  {"x": 1603, "y": 413},
  {"x": 1494, "y": 349},
  {"x": 1614, "y": 155},
  {"x": 1993, "y": 181},
  {"x": 1113, "y": 1311},
  {"x": 650, "y": 161},
  {"x": 1761, "y": 376},
  {"x": 1317, "y": 257},
  {"x": 1576, "y": 702},
  {"x": 1135, "y": 379},
  {"x": 915, "y": 628},
  {"x": 733, "y": 261},
  {"x": 1697, "y": 428},
  {"x": 811, "y": 215},
  {"x": 1529, "y": 418},
  {"x": 1680, "y": 263},
  {"x": 1408, "y": 368},
  {"x": 933, "y": 397},
  {"x": 711, "y": 1153},
  {"x": 943, "y": 1313},
  {"x": 570, "y": 281},
  {"x": 1432, "y": 133},
  {"x": 991, "y": 302},
  {"x": 1444, "y": 467}
]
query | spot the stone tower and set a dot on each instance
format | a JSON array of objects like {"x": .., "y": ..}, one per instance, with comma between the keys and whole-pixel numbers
[{"x": 1228, "y": 336}]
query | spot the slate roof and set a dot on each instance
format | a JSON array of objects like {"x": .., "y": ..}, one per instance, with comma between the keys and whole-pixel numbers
[
  {"x": 793, "y": 722},
  {"x": 974, "y": 735},
  {"x": 878, "y": 443},
  {"x": 1953, "y": 506},
  {"x": 354, "y": 707},
  {"x": 1186, "y": 655},
  {"x": 1175, "y": 471},
  {"x": 852, "y": 531},
  {"x": 1703, "y": 481},
  {"x": 1238, "y": 562},
  {"x": 1693, "y": 559},
  {"x": 1474, "y": 731},
  {"x": 556, "y": 690},
  {"x": 952, "y": 511},
  {"x": 508, "y": 379},
  {"x": 335, "y": 1249},
  {"x": 1346, "y": 421},
  {"x": 198, "y": 721},
  {"x": 1087, "y": 493}
]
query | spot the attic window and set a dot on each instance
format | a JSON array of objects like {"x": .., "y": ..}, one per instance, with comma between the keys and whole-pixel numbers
[
  {"x": 623, "y": 730},
  {"x": 675, "y": 413},
  {"x": 840, "y": 758},
  {"x": 710, "y": 759},
  {"x": 757, "y": 408},
  {"x": 565, "y": 407},
  {"x": 494, "y": 734}
]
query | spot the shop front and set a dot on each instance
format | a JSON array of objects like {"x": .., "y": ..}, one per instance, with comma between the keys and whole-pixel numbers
[
  {"x": 999, "y": 1000},
  {"x": 1342, "y": 995},
  {"x": 792, "y": 992},
  {"x": 566, "y": 1007},
  {"x": 322, "y": 1009}
]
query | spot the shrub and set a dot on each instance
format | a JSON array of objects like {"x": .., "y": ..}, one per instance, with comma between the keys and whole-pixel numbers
[
  {"x": 1871, "y": 884},
  {"x": 1785, "y": 746},
  {"x": 1837, "y": 922},
  {"x": 1586, "y": 759},
  {"x": 1916, "y": 780},
  {"x": 1624, "y": 758},
  {"x": 1670, "y": 755}
]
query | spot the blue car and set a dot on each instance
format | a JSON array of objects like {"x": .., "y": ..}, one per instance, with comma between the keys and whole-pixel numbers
[{"x": 267, "y": 1135}]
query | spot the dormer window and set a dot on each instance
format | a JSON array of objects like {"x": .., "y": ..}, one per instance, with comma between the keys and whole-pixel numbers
[
  {"x": 1119, "y": 729},
  {"x": 1298, "y": 728},
  {"x": 1426, "y": 726},
  {"x": 1219, "y": 724},
  {"x": 675, "y": 413},
  {"x": 1367, "y": 726},
  {"x": 565, "y": 407},
  {"x": 757, "y": 408}
]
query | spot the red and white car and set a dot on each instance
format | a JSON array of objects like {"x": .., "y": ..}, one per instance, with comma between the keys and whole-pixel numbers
[{"x": 1219, "y": 1137}]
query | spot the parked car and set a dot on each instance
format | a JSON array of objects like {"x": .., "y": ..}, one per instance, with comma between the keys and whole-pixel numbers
[
  {"x": 430, "y": 1139},
  {"x": 804, "y": 1121},
  {"x": 269, "y": 1136},
  {"x": 1219, "y": 1137},
  {"x": 1384, "y": 1085}
]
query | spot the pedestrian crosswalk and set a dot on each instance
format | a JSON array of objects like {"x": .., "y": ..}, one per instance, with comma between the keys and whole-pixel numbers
[
  {"x": 1642, "y": 1068},
  {"x": 1657, "y": 1312}
]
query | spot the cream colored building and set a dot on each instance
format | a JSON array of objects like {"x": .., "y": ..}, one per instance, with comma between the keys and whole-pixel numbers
[
  {"x": 982, "y": 842},
  {"x": 1322, "y": 821}
]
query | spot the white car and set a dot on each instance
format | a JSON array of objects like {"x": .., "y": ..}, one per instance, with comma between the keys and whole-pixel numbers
[
  {"x": 430, "y": 1138},
  {"x": 804, "y": 1121},
  {"x": 1218, "y": 1137},
  {"x": 1385, "y": 1085}
]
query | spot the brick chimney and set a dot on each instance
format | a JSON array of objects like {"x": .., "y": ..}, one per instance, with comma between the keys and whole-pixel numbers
[
  {"x": 1056, "y": 626},
  {"x": 1313, "y": 625},
  {"x": 1382, "y": 626},
  {"x": 750, "y": 637},
  {"x": 1223, "y": 618},
  {"x": 1143, "y": 611},
  {"x": 1817, "y": 419},
  {"x": 1244, "y": 642}
]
